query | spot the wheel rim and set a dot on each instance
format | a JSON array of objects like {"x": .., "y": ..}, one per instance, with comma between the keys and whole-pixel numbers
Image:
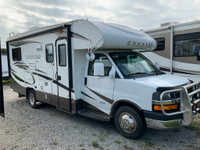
[
  {"x": 127, "y": 122},
  {"x": 32, "y": 99}
]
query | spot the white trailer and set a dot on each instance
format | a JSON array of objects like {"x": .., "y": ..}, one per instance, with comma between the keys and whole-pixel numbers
[
  {"x": 176, "y": 48},
  {"x": 91, "y": 68}
]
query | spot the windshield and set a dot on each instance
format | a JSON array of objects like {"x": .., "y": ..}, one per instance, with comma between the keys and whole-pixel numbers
[{"x": 132, "y": 64}]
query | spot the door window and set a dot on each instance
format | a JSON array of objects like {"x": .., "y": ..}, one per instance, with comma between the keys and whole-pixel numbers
[
  {"x": 100, "y": 58},
  {"x": 62, "y": 55}
]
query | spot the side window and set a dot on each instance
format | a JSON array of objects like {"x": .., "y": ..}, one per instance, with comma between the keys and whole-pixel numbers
[
  {"x": 184, "y": 44},
  {"x": 100, "y": 58},
  {"x": 62, "y": 55},
  {"x": 160, "y": 44},
  {"x": 16, "y": 54},
  {"x": 49, "y": 53}
]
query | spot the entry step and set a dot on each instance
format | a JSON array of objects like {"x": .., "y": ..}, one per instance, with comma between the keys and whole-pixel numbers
[{"x": 94, "y": 115}]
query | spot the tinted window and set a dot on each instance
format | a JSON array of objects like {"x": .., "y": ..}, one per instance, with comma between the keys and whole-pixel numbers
[
  {"x": 62, "y": 55},
  {"x": 100, "y": 58},
  {"x": 49, "y": 53},
  {"x": 184, "y": 44},
  {"x": 16, "y": 54},
  {"x": 160, "y": 44}
]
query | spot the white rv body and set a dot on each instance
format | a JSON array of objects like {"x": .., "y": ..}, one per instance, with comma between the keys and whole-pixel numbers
[
  {"x": 49, "y": 65},
  {"x": 176, "y": 56}
]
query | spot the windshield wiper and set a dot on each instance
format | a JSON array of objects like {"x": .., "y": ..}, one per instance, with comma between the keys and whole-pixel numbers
[{"x": 137, "y": 73}]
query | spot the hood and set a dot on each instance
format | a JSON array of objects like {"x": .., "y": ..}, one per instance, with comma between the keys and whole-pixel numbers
[{"x": 166, "y": 80}]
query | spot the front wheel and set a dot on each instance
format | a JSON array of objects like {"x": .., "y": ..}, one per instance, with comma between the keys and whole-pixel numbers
[
  {"x": 32, "y": 99},
  {"x": 129, "y": 122}
]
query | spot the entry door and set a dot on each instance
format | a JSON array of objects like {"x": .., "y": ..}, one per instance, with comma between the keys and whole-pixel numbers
[
  {"x": 62, "y": 75},
  {"x": 98, "y": 91}
]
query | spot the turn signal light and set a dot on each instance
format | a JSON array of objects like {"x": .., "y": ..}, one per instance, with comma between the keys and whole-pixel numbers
[{"x": 167, "y": 107}]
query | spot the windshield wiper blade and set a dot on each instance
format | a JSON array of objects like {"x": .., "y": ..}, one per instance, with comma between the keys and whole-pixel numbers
[{"x": 137, "y": 73}]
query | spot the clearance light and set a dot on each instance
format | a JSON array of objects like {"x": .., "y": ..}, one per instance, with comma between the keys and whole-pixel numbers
[
  {"x": 167, "y": 107},
  {"x": 194, "y": 107},
  {"x": 60, "y": 31},
  {"x": 198, "y": 105}
]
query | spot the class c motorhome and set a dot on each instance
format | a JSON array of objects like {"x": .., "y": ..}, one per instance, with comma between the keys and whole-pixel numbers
[
  {"x": 94, "y": 69},
  {"x": 178, "y": 48}
]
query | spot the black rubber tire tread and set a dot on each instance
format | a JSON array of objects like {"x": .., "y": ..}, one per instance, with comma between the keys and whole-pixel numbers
[
  {"x": 141, "y": 128},
  {"x": 32, "y": 92}
]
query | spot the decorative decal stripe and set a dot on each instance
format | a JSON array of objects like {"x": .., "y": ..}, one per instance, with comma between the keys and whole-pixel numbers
[
  {"x": 79, "y": 36},
  {"x": 101, "y": 96},
  {"x": 18, "y": 78},
  {"x": 178, "y": 71},
  {"x": 20, "y": 43},
  {"x": 87, "y": 95},
  {"x": 25, "y": 67},
  {"x": 54, "y": 81},
  {"x": 17, "y": 63},
  {"x": 41, "y": 71}
]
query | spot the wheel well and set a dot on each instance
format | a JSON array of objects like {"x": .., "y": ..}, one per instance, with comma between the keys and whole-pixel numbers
[
  {"x": 135, "y": 107},
  {"x": 27, "y": 91}
]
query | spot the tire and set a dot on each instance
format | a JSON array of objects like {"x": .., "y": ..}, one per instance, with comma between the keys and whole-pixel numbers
[
  {"x": 32, "y": 99},
  {"x": 129, "y": 122}
]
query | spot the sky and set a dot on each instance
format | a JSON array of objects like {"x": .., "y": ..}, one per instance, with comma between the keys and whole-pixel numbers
[{"x": 19, "y": 15}]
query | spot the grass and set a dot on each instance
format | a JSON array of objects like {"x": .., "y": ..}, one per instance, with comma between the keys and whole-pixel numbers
[
  {"x": 149, "y": 144},
  {"x": 95, "y": 144},
  {"x": 117, "y": 142},
  {"x": 195, "y": 126}
]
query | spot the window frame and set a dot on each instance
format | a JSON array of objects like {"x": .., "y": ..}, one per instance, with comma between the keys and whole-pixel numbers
[
  {"x": 59, "y": 55},
  {"x": 93, "y": 64},
  {"x": 157, "y": 44},
  {"x": 185, "y": 37},
  {"x": 18, "y": 48},
  {"x": 49, "y": 54}
]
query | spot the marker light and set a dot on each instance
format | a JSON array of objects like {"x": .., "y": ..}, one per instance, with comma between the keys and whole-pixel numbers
[
  {"x": 167, "y": 107},
  {"x": 60, "y": 31}
]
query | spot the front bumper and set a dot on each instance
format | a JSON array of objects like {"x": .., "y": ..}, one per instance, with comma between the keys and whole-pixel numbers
[
  {"x": 160, "y": 124},
  {"x": 189, "y": 106},
  {"x": 158, "y": 120}
]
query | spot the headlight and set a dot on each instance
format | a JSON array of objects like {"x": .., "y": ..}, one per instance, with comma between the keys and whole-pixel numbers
[{"x": 169, "y": 96}]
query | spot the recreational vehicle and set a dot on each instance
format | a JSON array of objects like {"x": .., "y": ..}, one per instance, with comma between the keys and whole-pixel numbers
[
  {"x": 177, "y": 50},
  {"x": 92, "y": 69}
]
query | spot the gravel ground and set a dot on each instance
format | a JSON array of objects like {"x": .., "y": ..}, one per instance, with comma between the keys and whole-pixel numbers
[{"x": 49, "y": 128}]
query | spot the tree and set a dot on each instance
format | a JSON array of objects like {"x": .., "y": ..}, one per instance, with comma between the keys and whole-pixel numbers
[{"x": 4, "y": 51}]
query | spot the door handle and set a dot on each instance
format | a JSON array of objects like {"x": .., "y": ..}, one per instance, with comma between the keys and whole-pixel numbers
[
  {"x": 58, "y": 77},
  {"x": 85, "y": 80}
]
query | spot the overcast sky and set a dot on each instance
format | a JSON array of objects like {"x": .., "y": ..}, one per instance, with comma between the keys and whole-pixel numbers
[{"x": 20, "y": 15}]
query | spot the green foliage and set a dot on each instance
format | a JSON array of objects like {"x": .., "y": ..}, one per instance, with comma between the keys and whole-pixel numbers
[
  {"x": 4, "y": 51},
  {"x": 95, "y": 144}
]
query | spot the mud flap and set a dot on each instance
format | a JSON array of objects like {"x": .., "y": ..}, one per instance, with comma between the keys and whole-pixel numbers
[{"x": 1, "y": 89}]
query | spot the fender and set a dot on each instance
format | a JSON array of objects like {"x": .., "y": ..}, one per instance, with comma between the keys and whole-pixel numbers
[{"x": 121, "y": 102}]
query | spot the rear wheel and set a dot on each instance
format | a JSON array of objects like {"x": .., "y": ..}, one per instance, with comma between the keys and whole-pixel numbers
[
  {"x": 129, "y": 122},
  {"x": 32, "y": 99}
]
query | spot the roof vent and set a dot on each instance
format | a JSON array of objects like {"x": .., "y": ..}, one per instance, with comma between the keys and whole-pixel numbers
[{"x": 168, "y": 24}]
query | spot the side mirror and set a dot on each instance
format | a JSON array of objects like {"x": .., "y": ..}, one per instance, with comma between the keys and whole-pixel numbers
[
  {"x": 157, "y": 65},
  {"x": 98, "y": 69},
  {"x": 112, "y": 72}
]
